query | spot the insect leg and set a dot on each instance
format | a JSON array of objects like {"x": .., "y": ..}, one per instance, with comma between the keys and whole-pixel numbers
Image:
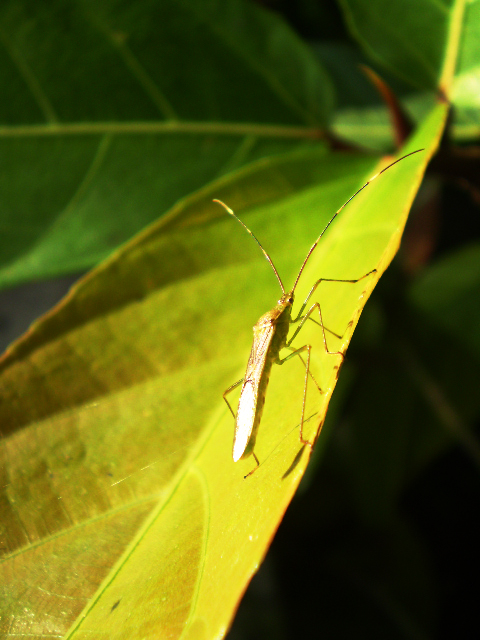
[
  {"x": 298, "y": 352},
  {"x": 303, "y": 318},
  {"x": 255, "y": 468},
  {"x": 227, "y": 391}
]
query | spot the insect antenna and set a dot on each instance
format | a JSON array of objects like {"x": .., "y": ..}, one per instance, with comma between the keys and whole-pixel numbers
[
  {"x": 228, "y": 210},
  {"x": 342, "y": 207}
]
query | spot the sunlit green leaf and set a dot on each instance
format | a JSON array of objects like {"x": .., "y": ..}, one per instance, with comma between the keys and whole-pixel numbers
[{"x": 119, "y": 488}]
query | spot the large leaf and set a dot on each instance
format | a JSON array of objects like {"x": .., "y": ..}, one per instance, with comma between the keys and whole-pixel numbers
[
  {"x": 449, "y": 294},
  {"x": 419, "y": 42},
  {"x": 464, "y": 95},
  {"x": 120, "y": 495},
  {"x": 428, "y": 45},
  {"x": 113, "y": 111}
]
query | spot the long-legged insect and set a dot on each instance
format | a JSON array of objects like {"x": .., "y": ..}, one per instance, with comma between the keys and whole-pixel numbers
[{"x": 270, "y": 337}]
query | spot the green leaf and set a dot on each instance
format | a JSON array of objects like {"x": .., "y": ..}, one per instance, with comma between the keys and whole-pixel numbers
[
  {"x": 120, "y": 497},
  {"x": 465, "y": 95},
  {"x": 416, "y": 40},
  {"x": 112, "y": 112},
  {"x": 449, "y": 294}
]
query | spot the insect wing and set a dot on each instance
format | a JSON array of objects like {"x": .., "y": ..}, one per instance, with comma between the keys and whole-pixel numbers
[
  {"x": 249, "y": 409},
  {"x": 245, "y": 419}
]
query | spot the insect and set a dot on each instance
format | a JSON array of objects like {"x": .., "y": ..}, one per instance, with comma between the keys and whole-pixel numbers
[{"x": 270, "y": 336}]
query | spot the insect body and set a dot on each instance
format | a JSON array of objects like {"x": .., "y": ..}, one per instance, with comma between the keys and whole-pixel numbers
[{"x": 270, "y": 336}]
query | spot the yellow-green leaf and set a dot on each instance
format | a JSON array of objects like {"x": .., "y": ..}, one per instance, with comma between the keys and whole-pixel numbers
[{"x": 123, "y": 513}]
